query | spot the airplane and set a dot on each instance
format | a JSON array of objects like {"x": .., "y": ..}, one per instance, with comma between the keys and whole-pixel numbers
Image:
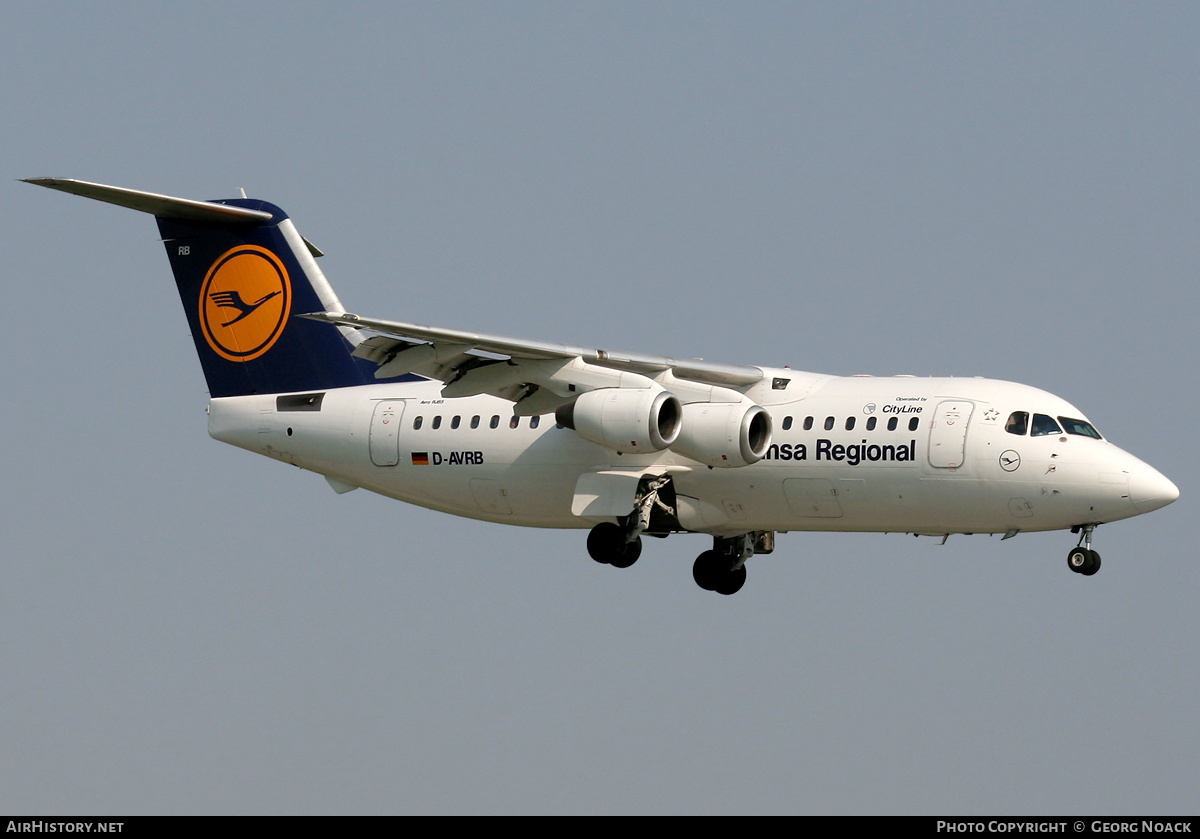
[{"x": 626, "y": 445}]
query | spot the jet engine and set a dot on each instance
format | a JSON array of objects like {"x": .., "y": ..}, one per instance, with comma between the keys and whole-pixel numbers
[
  {"x": 724, "y": 433},
  {"x": 635, "y": 420}
]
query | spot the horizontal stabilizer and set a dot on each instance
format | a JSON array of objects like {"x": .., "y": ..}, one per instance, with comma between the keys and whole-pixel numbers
[
  {"x": 243, "y": 273},
  {"x": 162, "y": 206}
]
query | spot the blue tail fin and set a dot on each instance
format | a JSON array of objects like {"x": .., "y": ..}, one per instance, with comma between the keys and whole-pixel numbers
[
  {"x": 243, "y": 274},
  {"x": 241, "y": 285}
]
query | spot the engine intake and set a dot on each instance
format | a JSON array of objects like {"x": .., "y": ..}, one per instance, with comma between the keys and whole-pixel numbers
[
  {"x": 635, "y": 420},
  {"x": 724, "y": 434}
]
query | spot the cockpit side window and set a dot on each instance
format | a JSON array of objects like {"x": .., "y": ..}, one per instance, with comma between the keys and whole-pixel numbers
[
  {"x": 1081, "y": 427},
  {"x": 1018, "y": 423},
  {"x": 1044, "y": 425}
]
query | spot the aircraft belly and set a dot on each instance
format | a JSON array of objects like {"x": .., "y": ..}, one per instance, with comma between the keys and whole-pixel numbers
[
  {"x": 870, "y": 499},
  {"x": 801, "y": 498}
]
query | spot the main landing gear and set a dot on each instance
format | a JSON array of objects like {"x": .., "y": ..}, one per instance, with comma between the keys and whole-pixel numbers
[
  {"x": 620, "y": 545},
  {"x": 609, "y": 544},
  {"x": 720, "y": 572},
  {"x": 723, "y": 569},
  {"x": 1082, "y": 559}
]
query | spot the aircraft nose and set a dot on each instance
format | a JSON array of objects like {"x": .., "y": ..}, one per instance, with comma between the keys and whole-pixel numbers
[{"x": 1149, "y": 489}]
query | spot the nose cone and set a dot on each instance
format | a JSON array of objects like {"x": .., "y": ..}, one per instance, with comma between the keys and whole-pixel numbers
[{"x": 1149, "y": 489}]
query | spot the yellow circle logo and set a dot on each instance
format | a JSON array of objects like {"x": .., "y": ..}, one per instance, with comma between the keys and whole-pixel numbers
[{"x": 244, "y": 302}]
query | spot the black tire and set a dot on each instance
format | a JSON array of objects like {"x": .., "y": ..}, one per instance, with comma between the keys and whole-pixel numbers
[
  {"x": 1093, "y": 564},
  {"x": 707, "y": 570},
  {"x": 604, "y": 541},
  {"x": 1079, "y": 559},
  {"x": 606, "y": 544},
  {"x": 732, "y": 581},
  {"x": 629, "y": 553}
]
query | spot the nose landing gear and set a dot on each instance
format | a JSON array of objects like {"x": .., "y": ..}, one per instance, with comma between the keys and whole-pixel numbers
[{"x": 1082, "y": 559}]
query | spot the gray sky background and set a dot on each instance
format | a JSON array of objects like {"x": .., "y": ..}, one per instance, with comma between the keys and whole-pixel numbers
[{"x": 1005, "y": 190}]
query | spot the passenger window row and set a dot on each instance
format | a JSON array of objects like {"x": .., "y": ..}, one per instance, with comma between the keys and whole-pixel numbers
[
  {"x": 830, "y": 422},
  {"x": 849, "y": 424},
  {"x": 455, "y": 422}
]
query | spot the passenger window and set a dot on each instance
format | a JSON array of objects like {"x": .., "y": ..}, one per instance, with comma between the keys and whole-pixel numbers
[
  {"x": 891, "y": 423},
  {"x": 1044, "y": 426},
  {"x": 829, "y": 423},
  {"x": 870, "y": 423},
  {"x": 475, "y": 421},
  {"x": 534, "y": 422},
  {"x": 416, "y": 423},
  {"x": 808, "y": 423},
  {"x": 849, "y": 423},
  {"x": 913, "y": 423},
  {"x": 437, "y": 422},
  {"x": 495, "y": 423},
  {"x": 454, "y": 422},
  {"x": 787, "y": 423},
  {"x": 514, "y": 422},
  {"x": 1018, "y": 423},
  {"x": 1080, "y": 427}
]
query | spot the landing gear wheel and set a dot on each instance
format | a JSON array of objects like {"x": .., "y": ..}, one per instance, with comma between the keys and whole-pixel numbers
[
  {"x": 708, "y": 569},
  {"x": 629, "y": 554},
  {"x": 1077, "y": 559},
  {"x": 711, "y": 572},
  {"x": 601, "y": 541},
  {"x": 732, "y": 581},
  {"x": 606, "y": 544},
  {"x": 1083, "y": 561}
]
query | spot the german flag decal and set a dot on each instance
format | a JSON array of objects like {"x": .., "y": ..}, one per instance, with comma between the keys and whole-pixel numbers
[{"x": 420, "y": 458}]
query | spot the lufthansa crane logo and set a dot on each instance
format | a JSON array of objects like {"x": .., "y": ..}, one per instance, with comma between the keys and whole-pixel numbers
[{"x": 244, "y": 302}]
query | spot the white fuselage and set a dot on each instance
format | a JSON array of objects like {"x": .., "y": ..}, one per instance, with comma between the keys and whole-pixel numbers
[{"x": 947, "y": 465}]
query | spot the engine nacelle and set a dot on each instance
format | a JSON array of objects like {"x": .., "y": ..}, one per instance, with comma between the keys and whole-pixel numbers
[
  {"x": 635, "y": 420},
  {"x": 724, "y": 433}
]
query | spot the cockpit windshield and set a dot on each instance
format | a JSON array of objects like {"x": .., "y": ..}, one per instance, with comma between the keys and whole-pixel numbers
[
  {"x": 1044, "y": 426},
  {"x": 1081, "y": 427}
]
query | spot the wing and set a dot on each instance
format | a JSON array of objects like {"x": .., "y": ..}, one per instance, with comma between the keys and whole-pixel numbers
[{"x": 471, "y": 363}]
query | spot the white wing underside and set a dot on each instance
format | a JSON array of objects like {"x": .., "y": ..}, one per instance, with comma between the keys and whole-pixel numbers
[{"x": 536, "y": 376}]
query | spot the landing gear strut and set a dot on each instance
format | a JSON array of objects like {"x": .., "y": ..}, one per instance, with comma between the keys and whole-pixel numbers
[{"x": 1082, "y": 559}]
